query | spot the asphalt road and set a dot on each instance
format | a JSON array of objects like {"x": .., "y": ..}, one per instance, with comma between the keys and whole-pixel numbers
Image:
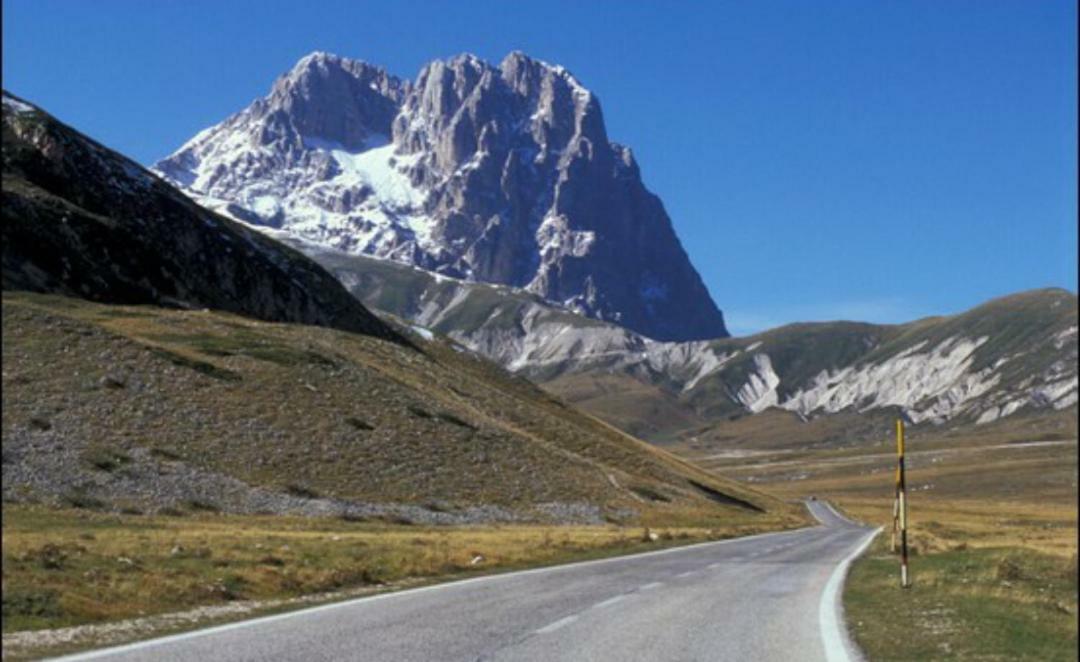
[{"x": 768, "y": 597}]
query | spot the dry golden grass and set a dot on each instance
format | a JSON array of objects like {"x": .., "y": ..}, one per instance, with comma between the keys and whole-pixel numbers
[
  {"x": 992, "y": 530},
  {"x": 1021, "y": 496},
  {"x": 70, "y": 567}
]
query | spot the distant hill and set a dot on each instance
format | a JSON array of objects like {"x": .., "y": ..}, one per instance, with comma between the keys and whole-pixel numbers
[{"x": 1016, "y": 355}]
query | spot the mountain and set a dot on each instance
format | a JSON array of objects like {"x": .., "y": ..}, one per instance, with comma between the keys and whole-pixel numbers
[
  {"x": 160, "y": 358},
  {"x": 500, "y": 175},
  {"x": 82, "y": 220},
  {"x": 1011, "y": 356}
]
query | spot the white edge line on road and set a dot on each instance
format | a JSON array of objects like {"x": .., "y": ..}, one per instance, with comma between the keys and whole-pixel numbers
[
  {"x": 149, "y": 643},
  {"x": 562, "y": 622},
  {"x": 833, "y": 633},
  {"x": 608, "y": 602},
  {"x": 650, "y": 586}
]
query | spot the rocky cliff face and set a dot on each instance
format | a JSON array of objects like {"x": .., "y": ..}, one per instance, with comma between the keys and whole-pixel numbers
[
  {"x": 82, "y": 220},
  {"x": 493, "y": 174}
]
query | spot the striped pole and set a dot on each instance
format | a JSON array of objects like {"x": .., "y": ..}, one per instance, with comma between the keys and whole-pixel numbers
[
  {"x": 896, "y": 508},
  {"x": 905, "y": 579}
]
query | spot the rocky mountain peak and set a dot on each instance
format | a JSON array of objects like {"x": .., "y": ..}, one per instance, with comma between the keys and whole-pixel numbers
[
  {"x": 495, "y": 174},
  {"x": 336, "y": 99}
]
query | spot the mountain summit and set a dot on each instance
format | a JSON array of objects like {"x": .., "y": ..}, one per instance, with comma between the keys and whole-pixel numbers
[{"x": 494, "y": 174}]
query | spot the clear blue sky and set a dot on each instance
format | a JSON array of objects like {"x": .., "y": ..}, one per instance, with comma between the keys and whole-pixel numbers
[{"x": 820, "y": 160}]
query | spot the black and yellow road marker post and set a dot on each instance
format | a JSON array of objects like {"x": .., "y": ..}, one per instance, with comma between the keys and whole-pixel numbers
[
  {"x": 896, "y": 508},
  {"x": 901, "y": 504}
]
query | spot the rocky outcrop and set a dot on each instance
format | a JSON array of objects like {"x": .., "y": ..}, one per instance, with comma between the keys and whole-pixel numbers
[{"x": 493, "y": 174}]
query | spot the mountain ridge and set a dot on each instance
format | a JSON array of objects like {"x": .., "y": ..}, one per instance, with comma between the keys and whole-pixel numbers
[
  {"x": 82, "y": 220},
  {"x": 501, "y": 174},
  {"x": 1008, "y": 355}
]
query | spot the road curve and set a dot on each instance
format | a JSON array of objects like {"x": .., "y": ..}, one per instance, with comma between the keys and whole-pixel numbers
[{"x": 767, "y": 597}]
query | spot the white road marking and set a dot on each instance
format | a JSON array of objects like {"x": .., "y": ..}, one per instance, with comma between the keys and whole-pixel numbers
[
  {"x": 562, "y": 622},
  {"x": 649, "y": 587},
  {"x": 833, "y": 634},
  {"x": 714, "y": 566},
  {"x": 608, "y": 602},
  {"x": 685, "y": 574}
]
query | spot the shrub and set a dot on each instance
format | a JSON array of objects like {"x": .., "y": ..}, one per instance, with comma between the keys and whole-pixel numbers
[
  {"x": 302, "y": 491},
  {"x": 165, "y": 453},
  {"x": 199, "y": 504},
  {"x": 39, "y": 423},
  {"x": 50, "y": 556},
  {"x": 359, "y": 424},
  {"x": 112, "y": 382},
  {"x": 1007, "y": 569},
  {"x": 107, "y": 460},
  {"x": 33, "y": 603},
  {"x": 1069, "y": 571},
  {"x": 649, "y": 493},
  {"x": 454, "y": 420},
  {"x": 79, "y": 499},
  {"x": 272, "y": 560},
  {"x": 419, "y": 412},
  {"x": 439, "y": 506}
]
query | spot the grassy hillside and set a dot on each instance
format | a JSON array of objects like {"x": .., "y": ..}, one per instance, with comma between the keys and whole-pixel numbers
[
  {"x": 216, "y": 466},
  {"x": 143, "y": 408}
]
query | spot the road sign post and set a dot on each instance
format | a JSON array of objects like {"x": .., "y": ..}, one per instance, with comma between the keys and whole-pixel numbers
[{"x": 900, "y": 508}]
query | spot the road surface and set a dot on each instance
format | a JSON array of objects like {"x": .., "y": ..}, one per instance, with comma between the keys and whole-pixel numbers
[{"x": 768, "y": 597}]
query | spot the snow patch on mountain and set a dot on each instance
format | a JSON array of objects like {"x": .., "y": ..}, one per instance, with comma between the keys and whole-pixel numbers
[
  {"x": 497, "y": 174},
  {"x": 14, "y": 105}
]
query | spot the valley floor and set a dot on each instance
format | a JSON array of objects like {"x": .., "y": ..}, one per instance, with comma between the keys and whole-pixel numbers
[{"x": 993, "y": 530}]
